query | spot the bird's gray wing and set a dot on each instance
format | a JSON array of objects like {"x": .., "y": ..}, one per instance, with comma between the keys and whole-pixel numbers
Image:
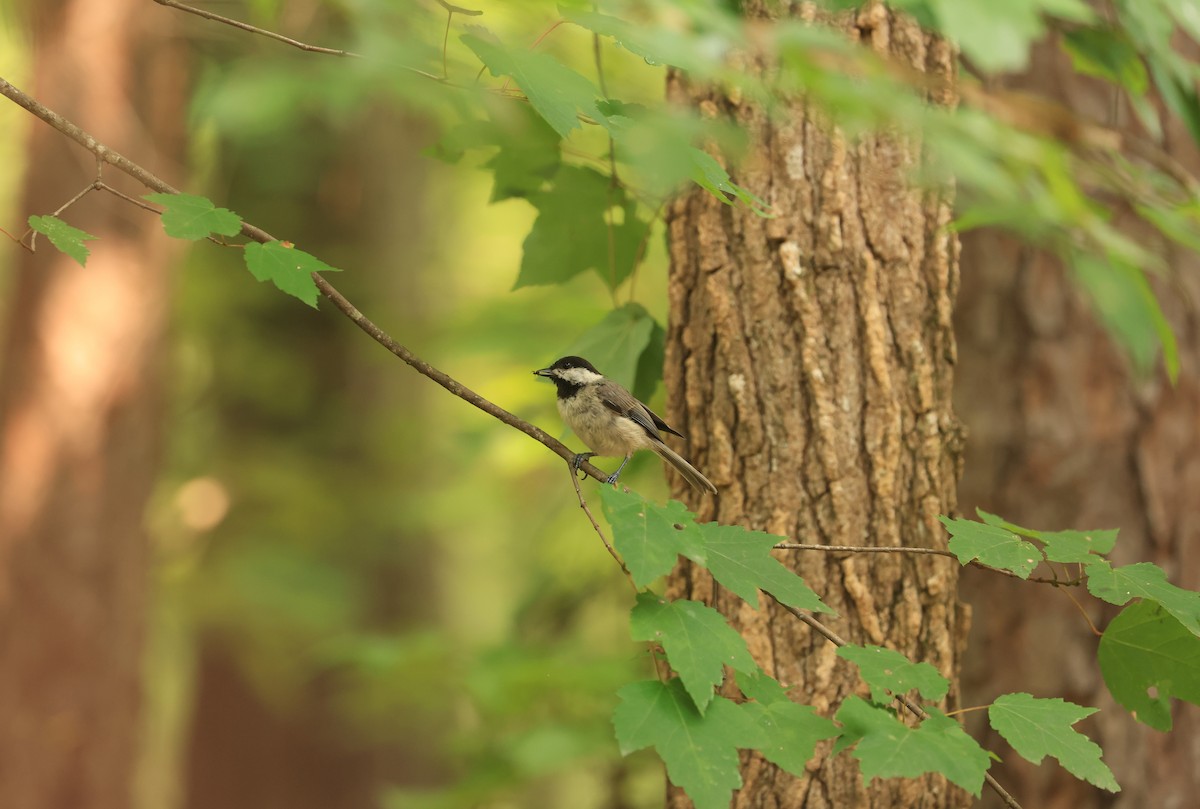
[{"x": 621, "y": 401}]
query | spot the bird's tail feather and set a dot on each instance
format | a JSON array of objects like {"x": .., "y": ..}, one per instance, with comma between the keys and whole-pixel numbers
[{"x": 689, "y": 472}]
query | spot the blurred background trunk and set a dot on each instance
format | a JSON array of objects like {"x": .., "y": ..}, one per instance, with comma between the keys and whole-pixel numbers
[
  {"x": 1062, "y": 435},
  {"x": 81, "y": 416},
  {"x": 810, "y": 357}
]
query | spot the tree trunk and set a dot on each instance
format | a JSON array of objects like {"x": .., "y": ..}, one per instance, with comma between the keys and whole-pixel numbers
[
  {"x": 810, "y": 359},
  {"x": 80, "y": 410},
  {"x": 1061, "y": 435}
]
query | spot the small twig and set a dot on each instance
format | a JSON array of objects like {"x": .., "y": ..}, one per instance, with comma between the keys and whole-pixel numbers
[
  {"x": 1083, "y": 612},
  {"x": 450, "y": 12},
  {"x": 446, "y": 44},
  {"x": 295, "y": 43},
  {"x": 599, "y": 532},
  {"x": 545, "y": 34},
  {"x": 90, "y": 187},
  {"x": 913, "y": 707},
  {"x": 793, "y": 546},
  {"x": 16, "y": 239},
  {"x": 466, "y": 12},
  {"x": 1055, "y": 582},
  {"x": 141, "y": 203},
  {"x": 253, "y": 29},
  {"x": 968, "y": 710}
]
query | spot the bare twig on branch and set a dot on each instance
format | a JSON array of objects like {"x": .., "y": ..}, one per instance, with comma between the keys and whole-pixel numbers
[
  {"x": 795, "y": 546},
  {"x": 253, "y": 29},
  {"x": 450, "y": 12},
  {"x": 295, "y": 43},
  {"x": 596, "y": 526}
]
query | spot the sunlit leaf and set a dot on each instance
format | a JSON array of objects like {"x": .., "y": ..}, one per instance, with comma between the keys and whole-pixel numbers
[
  {"x": 558, "y": 93},
  {"x": 186, "y": 216},
  {"x": 65, "y": 238},
  {"x": 288, "y": 268}
]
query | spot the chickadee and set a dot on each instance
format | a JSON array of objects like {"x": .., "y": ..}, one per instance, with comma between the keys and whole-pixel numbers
[{"x": 610, "y": 420}]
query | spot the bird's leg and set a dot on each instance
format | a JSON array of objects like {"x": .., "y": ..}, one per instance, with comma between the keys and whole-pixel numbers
[
  {"x": 613, "y": 477},
  {"x": 578, "y": 459}
]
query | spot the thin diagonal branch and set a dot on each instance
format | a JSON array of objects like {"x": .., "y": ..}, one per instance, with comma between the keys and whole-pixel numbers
[{"x": 152, "y": 181}]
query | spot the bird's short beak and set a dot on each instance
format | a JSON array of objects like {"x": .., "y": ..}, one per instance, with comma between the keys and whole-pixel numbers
[{"x": 542, "y": 372}]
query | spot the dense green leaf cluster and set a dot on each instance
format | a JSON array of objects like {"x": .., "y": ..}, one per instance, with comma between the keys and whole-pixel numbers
[
  {"x": 1148, "y": 653},
  {"x": 697, "y": 732}
]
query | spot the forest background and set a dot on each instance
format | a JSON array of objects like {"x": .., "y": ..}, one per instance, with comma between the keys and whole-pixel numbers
[{"x": 348, "y": 590}]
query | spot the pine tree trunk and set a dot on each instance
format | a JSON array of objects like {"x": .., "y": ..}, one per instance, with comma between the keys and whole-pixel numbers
[
  {"x": 1061, "y": 435},
  {"x": 80, "y": 427},
  {"x": 810, "y": 359}
]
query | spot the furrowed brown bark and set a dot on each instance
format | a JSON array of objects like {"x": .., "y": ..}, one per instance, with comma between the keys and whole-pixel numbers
[{"x": 810, "y": 358}]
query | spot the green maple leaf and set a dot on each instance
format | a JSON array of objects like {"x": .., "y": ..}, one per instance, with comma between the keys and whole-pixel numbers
[
  {"x": 645, "y": 534},
  {"x": 650, "y": 537},
  {"x": 888, "y": 748},
  {"x": 558, "y": 93},
  {"x": 991, "y": 545},
  {"x": 615, "y": 345},
  {"x": 790, "y": 731},
  {"x": 888, "y": 672},
  {"x": 190, "y": 217},
  {"x": 584, "y": 222},
  {"x": 527, "y": 153},
  {"x": 1042, "y": 727},
  {"x": 1061, "y": 546},
  {"x": 697, "y": 640},
  {"x": 700, "y": 750},
  {"x": 1117, "y": 585},
  {"x": 712, "y": 177},
  {"x": 288, "y": 268},
  {"x": 65, "y": 238},
  {"x": 741, "y": 560},
  {"x": 1147, "y": 657}
]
